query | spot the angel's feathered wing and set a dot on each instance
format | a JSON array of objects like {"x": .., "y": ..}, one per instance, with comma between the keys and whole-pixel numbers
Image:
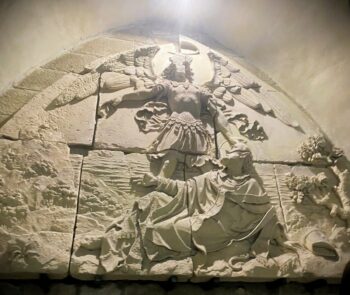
[
  {"x": 135, "y": 65},
  {"x": 229, "y": 83}
]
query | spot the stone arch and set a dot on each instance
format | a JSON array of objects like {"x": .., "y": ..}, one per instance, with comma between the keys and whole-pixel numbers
[{"x": 103, "y": 158}]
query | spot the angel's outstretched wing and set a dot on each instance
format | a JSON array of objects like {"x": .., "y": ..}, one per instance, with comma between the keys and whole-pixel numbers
[
  {"x": 121, "y": 70},
  {"x": 229, "y": 83}
]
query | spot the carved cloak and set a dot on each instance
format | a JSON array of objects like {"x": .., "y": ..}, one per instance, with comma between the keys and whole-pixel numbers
[{"x": 206, "y": 213}]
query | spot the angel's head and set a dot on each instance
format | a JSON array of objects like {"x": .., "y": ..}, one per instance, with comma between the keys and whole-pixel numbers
[{"x": 179, "y": 69}]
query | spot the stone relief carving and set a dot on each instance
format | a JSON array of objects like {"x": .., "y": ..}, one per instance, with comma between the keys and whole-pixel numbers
[
  {"x": 203, "y": 214},
  {"x": 319, "y": 151},
  {"x": 229, "y": 83},
  {"x": 318, "y": 189},
  {"x": 177, "y": 179},
  {"x": 38, "y": 203},
  {"x": 178, "y": 119}
]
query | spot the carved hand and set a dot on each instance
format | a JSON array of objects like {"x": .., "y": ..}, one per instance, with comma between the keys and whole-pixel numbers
[
  {"x": 109, "y": 107},
  {"x": 149, "y": 179}
]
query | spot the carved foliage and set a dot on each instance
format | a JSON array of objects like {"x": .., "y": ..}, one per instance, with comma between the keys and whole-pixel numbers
[
  {"x": 317, "y": 189},
  {"x": 318, "y": 150}
]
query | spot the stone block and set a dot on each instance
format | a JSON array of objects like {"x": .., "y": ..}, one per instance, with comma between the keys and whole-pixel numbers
[
  {"x": 305, "y": 224},
  {"x": 161, "y": 38},
  {"x": 110, "y": 186},
  {"x": 70, "y": 62},
  {"x": 13, "y": 99},
  {"x": 314, "y": 225},
  {"x": 281, "y": 142},
  {"x": 76, "y": 121},
  {"x": 3, "y": 119},
  {"x": 281, "y": 219},
  {"x": 39, "y": 79},
  {"x": 120, "y": 131},
  {"x": 38, "y": 207},
  {"x": 103, "y": 46},
  {"x": 138, "y": 35}
]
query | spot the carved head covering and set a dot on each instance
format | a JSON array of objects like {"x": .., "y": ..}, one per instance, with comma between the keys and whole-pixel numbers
[
  {"x": 179, "y": 68},
  {"x": 245, "y": 153}
]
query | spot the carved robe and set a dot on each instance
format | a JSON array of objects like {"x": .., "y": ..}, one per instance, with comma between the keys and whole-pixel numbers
[
  {"x": 206, "y": 213},
  {"x": 182, "y": 130}
]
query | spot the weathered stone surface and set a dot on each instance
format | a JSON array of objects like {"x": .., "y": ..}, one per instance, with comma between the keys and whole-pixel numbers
[
  {"x": 136, "y": 34},
  {"x": 114, "y": 132},
  {"x": 77, "y": 121},
  {"x": 109, "y": 187},
  {"x": 135, "y": 114},
  {"x": 38, "y": 207},
  {"x": 70, "y": 62},
  {"x": 282, "y": 123},
  {"x": 102, "y": 46},
  {"x": 177, "y": 206},
  {"x": 3, "y": 119},
  {"x": 76, "y": 161},
  {"x": 13, "y": 99},
  {"x": 39, "y": 79},
  {"x": 281, "y": 142},
  {"x": 313, "y": 225},
  {"x": 161, "y": 38},
  {"x": 307, "y": 224},
  {"x": 218, "y": 264}
]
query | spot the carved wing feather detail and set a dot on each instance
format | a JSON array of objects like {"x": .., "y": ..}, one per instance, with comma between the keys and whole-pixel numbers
[
  {"x": 272, "y": 98},
  {"x": 133, "y": 68},
  {"x": 248, "y": 97},
  {"x": 229, "y": 83}
]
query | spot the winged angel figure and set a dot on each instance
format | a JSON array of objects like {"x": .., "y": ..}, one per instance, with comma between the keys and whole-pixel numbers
[{"x": 174, "y": 105}]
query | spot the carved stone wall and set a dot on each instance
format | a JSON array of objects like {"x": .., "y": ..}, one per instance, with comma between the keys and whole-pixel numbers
[{"x": 155, "y": 156}]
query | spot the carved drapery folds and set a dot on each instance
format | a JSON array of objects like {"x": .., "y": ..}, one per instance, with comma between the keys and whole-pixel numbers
[{"x": 169, "y": 175}]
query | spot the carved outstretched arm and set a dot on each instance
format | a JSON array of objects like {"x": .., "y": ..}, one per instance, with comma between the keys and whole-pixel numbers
[
  {"x": 165, "y": 185},
  {"x": 144, "y": 93},
  {"x": 138, "y": 95},
  {"x": 231, "y": 134}
]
